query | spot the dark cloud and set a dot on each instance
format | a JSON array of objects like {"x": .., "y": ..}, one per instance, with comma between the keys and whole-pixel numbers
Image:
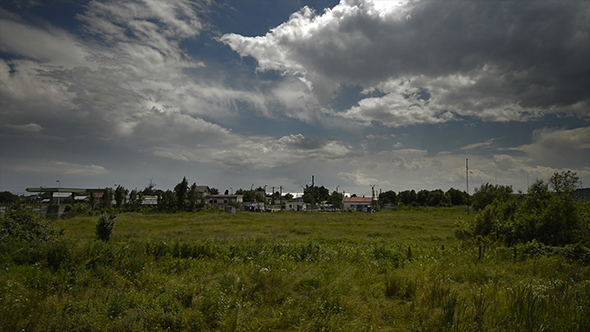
[{"x": 511, "y": 59}]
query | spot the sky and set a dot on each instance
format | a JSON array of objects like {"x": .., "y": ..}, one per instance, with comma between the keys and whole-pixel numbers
[{"x": 251, "y": 93}]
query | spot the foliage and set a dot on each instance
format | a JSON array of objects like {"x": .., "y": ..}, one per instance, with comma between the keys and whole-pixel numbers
[
  {"x": 192, "y": 198},
  {"x": 335, "y": 199},
  {"x": 120, "y": 196},
  {"x": 422, "y": 197},
  {"x": 150, "y": 189},
  {"x": 438, "y": 198},
  {"x": 548, "y": 217},
  {"x": 565, "y": 182},
  {"x": 458, "y": 197},
  {"x": 230, "y": 282},
  {"x": 135, "y": 200},
  {"x": 104, "y": 226},
  {"x": 387, "y": 197},
  {"x": 107, "y": 196},
  {"x": 407, "y": 197},
  {"x": 487, "y": 193},
  {"x": 6, "y": 197},
  {"x": 180, "y": 191},
  {"x": 250, "y": 195},
  {"x": 77, "y": 209},
  {"x": 319, "y": 194},
  {"x": 167, "y": 201},
  {"x": 22, "y": 224}
]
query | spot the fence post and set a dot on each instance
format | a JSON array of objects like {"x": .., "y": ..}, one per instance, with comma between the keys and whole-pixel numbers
[
  {"x": 409, "y": 252},
  {"x": 515, "y": 252},
  {"x": 480, "y": 252},
  {"x": 443, "y": 249}
]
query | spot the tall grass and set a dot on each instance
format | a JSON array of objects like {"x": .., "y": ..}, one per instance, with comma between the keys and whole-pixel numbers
[{"x": 309, "y": 282}]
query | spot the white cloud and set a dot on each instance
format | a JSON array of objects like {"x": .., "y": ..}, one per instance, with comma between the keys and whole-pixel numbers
[
  {"x": 357, "y": 178},
  {"x": 59, "y": 167},
  {"x": 468, "y": 61},
  {"x": 487, "y": 144},
  {"x": 28, "y": 128},
  {"x": 559, "y": 148},
  {"x": 48, "y": 46}
]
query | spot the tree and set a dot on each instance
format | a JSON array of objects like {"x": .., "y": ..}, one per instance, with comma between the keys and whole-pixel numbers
[
  {"x": 214, "y": 191},
  {"x": 92, "y": 200},
  {"x": 22, "y": 224},
  {"x": 336, "y": 199},
  {"x": 457, "y": 197},
  {"x": 167, "y": 201},
  {"x": 180, "y": 191},
  {"x": 150, "y": 190},
  {"x": 135, "y": 200},
  {"x": 6, "y": 197},
  {"x": 107, "y": 196},
  {"x": 438, "y": 198},
  {"x": 316, "y": 194},
  {"x": 120, "y": 195},
  {"x": 104, "y": 226},
  {"x": 548, "y": 217},
  {"x": 487, "y": 193},
  {"x": 407, "y": 197},
  {"x": 387, "y": 197},
  {"x": 192, "y": 197},
  {"x": 422, "y": 197},
  {"x": 565, "y": 182}
]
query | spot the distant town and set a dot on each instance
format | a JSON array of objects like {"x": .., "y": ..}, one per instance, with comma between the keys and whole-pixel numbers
[{"x": 191, "y": 198}]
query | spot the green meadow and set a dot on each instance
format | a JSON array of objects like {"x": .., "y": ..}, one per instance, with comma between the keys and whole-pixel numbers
[{"x": 398, "y": 270}]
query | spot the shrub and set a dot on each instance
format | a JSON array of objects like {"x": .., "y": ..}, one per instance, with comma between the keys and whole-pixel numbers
[
  {"x": 22, "y": 224},
  {"x": 105, "y": 226},
  {"x": 73, "y": 210},
  {"x": 487, "y": 193},
  {"x": 549, "y": 217}
]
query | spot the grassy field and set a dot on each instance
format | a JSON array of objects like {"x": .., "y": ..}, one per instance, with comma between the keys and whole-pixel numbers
[
  {"x": 387, "y": 271},
  {"x": 392, "y": 225}
]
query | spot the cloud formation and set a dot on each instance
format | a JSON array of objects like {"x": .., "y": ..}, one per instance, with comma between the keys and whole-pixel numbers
[
  {"x": 357, "y": 94},
  {"x": 497, "y": 61}
]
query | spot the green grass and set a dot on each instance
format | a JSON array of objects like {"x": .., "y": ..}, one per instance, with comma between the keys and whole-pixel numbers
[
  {"x": 393, "y": 225},
  {"x": 384, "y": 271}
]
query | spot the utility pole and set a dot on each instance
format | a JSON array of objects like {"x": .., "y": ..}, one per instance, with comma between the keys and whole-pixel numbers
[
  {"x": 281, "y": 194},
  {"x": 58, "y": 196},
  {"x": 312, "y": 197},
  {"x": 467, "y": 179},
  {"x": 372, "y": 197}
]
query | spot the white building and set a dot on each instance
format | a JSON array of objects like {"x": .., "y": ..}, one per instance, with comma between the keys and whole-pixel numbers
[
  {"x": 361, "y": 204},
  {"x": 221, "y": 201},
  {"x": 295, "y": 205}
]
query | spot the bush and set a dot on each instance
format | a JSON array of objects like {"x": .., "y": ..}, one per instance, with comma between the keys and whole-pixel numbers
[
  {"x": 548, "y": 217},
  {"x": 22, "y": 224},
  {"x": 105, "y": 226},
  {"x": 487, "y": 193},
  {"x": 77, "y": 209}
]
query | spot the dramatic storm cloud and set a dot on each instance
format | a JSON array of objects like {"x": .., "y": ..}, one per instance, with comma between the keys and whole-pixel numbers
[
  {"x": 434, "y": 60},
  {"x": 395, "y": 94}
]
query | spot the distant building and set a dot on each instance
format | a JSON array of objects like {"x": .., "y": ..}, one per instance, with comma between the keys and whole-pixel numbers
[
  {"x": 221, "y": 201},
  {"x": 253, "y": 206},
  {"x": 150, "y": 200},
  {"x": 360, "y": 204},
  {"x": 204, "y": 190},
  {"x": 296, "y": 204}
]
